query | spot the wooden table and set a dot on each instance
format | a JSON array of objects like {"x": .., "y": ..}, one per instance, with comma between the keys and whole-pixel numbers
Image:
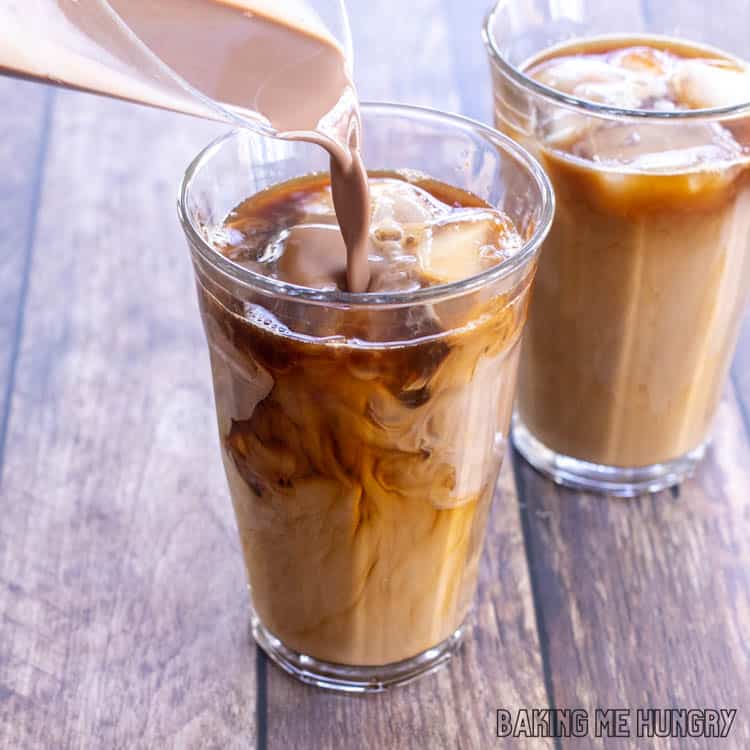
[{"x": 122, "y": 593}]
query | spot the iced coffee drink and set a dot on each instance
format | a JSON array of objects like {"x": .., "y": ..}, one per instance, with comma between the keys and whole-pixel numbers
[
  {"x": 362, "y": 434},
  {"x": 363, "y": 474},
  {"x": 643, "y": 280}
]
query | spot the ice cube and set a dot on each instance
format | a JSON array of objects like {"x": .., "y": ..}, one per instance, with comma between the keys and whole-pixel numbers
[
  {"x": 628, "y": 80},
  {"x": 394, "y": 272},
  {"x": 314, "y": 256},
  {"x": 318, "y": 208},
  {"x": 559, "y": 128},
  {"x": 634, "y": 92},
  {"x": 464, "y": 244},
  {"x": 702, "y": 84},
  {"x": 659, "y": 147},
  {"x": 645, "y": 60},
  {"x": 395, "y": 202},
  {"x": 402, "y": 215},
  {"x": 567, "y": 73}
]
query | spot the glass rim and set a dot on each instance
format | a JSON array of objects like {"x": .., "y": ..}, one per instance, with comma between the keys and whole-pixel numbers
[
  {"x": 377, "y": 299},
  {"x": 590, "y": 107}
]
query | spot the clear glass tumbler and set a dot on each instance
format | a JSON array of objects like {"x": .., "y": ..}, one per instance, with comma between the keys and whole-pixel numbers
[
  {"x": 644, "y": 278},
  {"x": 362, "y": 434}
]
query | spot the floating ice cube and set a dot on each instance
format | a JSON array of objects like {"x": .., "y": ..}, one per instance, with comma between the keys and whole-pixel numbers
[
  {"x": 318, "y": 208},
  {"x": 395, "y": 202},
  {"x": 559, "y": 128},
  {"x": 402, "y": 215},
  {"x": 567, "y": 73},
  {"x": 700, "y": 84},
  {"x": 314, "y": 256},
  {"x": 394, "y": 272},
  {"x": 630, "y": 79},
  {"x": 417, "y": 239},
  {"x": 659, "y": 147},
  {"x": 465, "y": 244},
  {"x": 634, "y": 92},
  {"x": 644, "y": 60}
]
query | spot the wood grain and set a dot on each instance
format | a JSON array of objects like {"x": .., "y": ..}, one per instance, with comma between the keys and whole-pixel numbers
[
  {"x": 470, "y": 69},
  {"x": 23, "y": 144},
  {"x": 122, "y": 595},
  {"x": 500, "y": 663},
  {"x": 644, "y": 603},
  {"x": 720, "y": 23},
  {"x": 741, "y": 372}
]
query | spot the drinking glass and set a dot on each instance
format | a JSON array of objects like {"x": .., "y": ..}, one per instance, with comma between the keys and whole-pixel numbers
[
  {"x": 362, "y": 434},
  {"x": 644, "y": 278}
]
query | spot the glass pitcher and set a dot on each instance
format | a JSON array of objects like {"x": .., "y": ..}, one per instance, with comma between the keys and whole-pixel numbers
[{"x": 174, "y": 54}]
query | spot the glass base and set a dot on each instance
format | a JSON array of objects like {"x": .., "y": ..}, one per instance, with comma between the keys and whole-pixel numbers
[
  {"x": 609, "y": 480},
  {"x": 343, "y": 678}
]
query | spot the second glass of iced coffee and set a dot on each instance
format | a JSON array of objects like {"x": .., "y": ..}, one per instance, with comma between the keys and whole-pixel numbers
[
  {"x": 362, "y": 433},
  {"x": 640, "y": 114}
]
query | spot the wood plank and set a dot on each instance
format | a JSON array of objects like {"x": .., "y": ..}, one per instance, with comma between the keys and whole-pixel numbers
[
  {"x": 500, "y": 664},
  {"x": 471, "y": 72},
  {"x": 23, "y": 130},
  {"x": 122, "y": 594},
  {"x": 383, "y": 37},
  {"x": 708, "y": 23},
  {"x": 741, "y": 371},
  {"x": 645, "y": 602}
]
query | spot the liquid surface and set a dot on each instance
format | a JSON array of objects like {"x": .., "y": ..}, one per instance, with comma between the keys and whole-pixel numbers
[
  {"x": 649, "y": 74},
  {"x": 422, "y": 233},
  {"x": 644, "y": 74}
]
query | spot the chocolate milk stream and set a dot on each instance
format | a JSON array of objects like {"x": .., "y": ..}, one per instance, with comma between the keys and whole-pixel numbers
[{"x": 273, "y": 67}]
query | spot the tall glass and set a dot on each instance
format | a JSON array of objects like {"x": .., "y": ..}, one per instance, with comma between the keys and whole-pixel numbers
[
  {"x": 362, "y": 434},
  {"x": 644, "y": 278}
]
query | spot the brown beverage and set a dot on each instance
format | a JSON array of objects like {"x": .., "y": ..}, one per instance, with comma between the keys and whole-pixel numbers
[
  {"x": 643, "y": 279},
  {"x": 361, "y": 468}
]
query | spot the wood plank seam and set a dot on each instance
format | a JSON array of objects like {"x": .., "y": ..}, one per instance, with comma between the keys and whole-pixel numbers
[
  {"x": 471, "y": 76},
  {"x": 646, "y": 10},
  {"x": 38, "y": 178},
  {"x": 524, "y": 509},
  {"x": 261, "y": 698},
  {"x": 742, "y": 406}
]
